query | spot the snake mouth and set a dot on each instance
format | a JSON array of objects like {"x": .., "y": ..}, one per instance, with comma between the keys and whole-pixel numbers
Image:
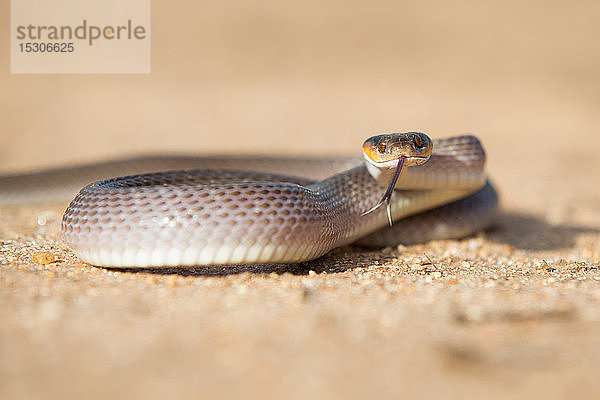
[{"x": 391, "y": 164}]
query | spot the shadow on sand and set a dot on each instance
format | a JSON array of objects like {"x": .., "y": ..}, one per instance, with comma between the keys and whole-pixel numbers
[
  {"x": 338, "y": 260},
  {"x": 527, "y": 232}
]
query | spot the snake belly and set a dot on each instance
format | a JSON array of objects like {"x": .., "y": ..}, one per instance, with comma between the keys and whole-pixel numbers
[{"x": 207, "y": 217}]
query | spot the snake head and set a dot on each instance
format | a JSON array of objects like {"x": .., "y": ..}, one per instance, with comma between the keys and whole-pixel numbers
[
  {"x": 387, "y": 154},
  {"x": 384, "y": 151}
]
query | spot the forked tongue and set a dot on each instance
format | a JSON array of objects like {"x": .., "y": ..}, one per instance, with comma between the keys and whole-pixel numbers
[{"x": 387, "y": 196}]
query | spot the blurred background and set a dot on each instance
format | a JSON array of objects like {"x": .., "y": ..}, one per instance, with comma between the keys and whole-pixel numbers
[{"x": 318, "y": 77}]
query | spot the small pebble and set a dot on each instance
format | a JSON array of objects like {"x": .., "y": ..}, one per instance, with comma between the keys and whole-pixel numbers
[
  {"x": 42, "y": 220},
  {"x": 43, "y": 257}
]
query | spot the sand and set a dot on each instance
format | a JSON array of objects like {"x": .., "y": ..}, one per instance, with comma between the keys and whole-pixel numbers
[{"x": 513, "y": 312}]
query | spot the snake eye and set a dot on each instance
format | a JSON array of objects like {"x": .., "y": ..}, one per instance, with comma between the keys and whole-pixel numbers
[
  {"x": 381, "y": 146},
  {"x": 417, "y": 141}
]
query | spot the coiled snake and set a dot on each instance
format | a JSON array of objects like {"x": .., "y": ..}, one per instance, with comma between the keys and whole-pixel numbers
[{"x": 230, "y": 213}]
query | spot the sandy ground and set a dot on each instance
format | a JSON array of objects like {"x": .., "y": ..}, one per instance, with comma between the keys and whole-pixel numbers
[{"x": 510, "y": 313}]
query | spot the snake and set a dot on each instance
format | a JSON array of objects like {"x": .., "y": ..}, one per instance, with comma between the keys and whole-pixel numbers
[{"x": 225, "y": 210}]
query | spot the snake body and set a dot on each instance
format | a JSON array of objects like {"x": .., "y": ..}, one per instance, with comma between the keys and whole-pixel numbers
[{"x": 229, "y": 216}]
